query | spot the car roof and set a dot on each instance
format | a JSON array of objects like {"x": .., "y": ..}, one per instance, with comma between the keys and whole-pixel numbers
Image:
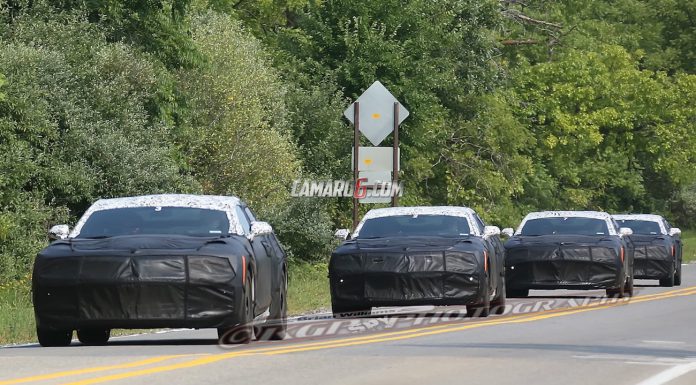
[
  {"x": 169, "y": 200},
  {"x": 228, "y": 204},
  {"x": 564, "y": 214},
  {"x": 458, "y": 211},
  {"x": 568, "y": 214},
  {"x": 639, "y": 217}
]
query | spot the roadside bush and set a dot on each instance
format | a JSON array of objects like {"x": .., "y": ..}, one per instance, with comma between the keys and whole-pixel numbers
[
  {"x": 77, "y": 123},
  {"x": 235, "y": 132}
]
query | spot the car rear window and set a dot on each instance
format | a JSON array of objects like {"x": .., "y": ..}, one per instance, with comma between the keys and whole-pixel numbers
[
  {"x": 565, "y": 225},
  {"x": 155, "y": 220},
  {"x": 415, "y": 225},
  {"x": 641, "y": 227}
]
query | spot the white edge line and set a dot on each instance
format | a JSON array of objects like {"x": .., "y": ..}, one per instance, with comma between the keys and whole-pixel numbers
[
  {"x": 647, "y": 363},
  {"x": 669, "y": 374}
]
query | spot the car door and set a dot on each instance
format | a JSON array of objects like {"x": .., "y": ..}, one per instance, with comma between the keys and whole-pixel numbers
[{"x": 263, "y": 273}]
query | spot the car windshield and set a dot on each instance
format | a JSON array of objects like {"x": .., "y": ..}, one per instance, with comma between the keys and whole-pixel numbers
[
  {"x": 415, "y": 225},
  {"x": 155, "y": 220},
  {"x": 567, "y": 225},
  {"x": 641, "y": 227}
]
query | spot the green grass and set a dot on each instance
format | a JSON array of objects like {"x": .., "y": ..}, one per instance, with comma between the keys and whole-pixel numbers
[
  {"x": 689, "y": 245},
  {"x": 308, "y": 288},
  {"x": 16, "y": 312}
]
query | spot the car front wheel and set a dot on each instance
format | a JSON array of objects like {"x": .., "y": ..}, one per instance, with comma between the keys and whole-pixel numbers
[
  {"x": 49, "y": 338},
  {"x": 242, "y": 333},
  {"x": 483, "y": 308}
]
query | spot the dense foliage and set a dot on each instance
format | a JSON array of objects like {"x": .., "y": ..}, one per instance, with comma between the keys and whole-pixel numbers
[{"x": 516, "y": 106}]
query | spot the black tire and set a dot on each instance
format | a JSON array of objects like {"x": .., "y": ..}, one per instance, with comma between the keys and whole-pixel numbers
[
  {"x": 348, "y": 311},
  {"x": 498, "y": 305},
  {"x": 628, "y": 289},
  {"x": 276, "y": 327},
  {"x": 244, "y": 332},
  {"x": 482, "y": 309},
  {"x": 669, "y": 281},
  {"x": 677, "y": 277},
  {"x": 94, "y": 337},
  {"x": 519, "y": 293},
  {"x": 48, "y": 338},
  {"x": 619, "y": 292}
]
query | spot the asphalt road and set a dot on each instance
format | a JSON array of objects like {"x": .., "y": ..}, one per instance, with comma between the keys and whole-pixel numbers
[{"x": 554, "y": 337}]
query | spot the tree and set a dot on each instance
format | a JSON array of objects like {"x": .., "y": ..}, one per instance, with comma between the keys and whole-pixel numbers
[
  {"x": 430, "y": 54},
  {"x": 609, "y": 135},
  {"x": 76, "y": 124},
  {"x": 235, "y": 133}
]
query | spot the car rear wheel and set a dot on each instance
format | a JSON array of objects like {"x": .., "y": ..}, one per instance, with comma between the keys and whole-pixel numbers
[
  {"x": 94, "y": 336},
  {"x": 277, "y": 325},
  {"x": 483, "y": 308},
  {"x": 628, "y": 290},
  {"x": 49, "y": 338},
  {"x": 669, "y": 281},
  {"x": 677, "y": 277},
  {"x": 617, "y": 292},
  {"x": 244, "y": 332}
]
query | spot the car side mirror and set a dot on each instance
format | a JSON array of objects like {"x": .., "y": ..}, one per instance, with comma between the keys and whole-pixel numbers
[
  {"x": 508, "y": 232},
  {"x": 490, "y": 231},
  {"x": 342, "y": 234},
  {"x": 260, "y": 228},
  {"x": 623, "y": 231},
  {"x": 674, "y": 231},
  {"x": 59, "y": 232}
]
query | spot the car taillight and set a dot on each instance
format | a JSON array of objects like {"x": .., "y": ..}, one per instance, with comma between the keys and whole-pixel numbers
[
  {"x": 673, "y": 251},
  {"x": 622, "y": 254}
]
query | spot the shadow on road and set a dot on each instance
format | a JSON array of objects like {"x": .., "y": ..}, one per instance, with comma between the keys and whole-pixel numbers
[{"x": 143, "y": 342}]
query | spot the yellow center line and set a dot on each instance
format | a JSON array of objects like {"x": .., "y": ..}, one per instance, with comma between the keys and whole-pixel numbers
[
  {"x": 343, "y": 342},
  {"x": 76, "y": 372},
  {"x": 382, "y": 337},
  {"x": 501, "y": 321}
]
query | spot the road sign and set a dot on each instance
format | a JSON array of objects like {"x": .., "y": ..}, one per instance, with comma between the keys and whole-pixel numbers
[
  {"x": 373, "y": 178},
  {"x": 374, "y": 158},
  {"x": 376, "y": 119}
]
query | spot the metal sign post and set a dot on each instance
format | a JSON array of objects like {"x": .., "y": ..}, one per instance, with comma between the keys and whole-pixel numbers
[
  {"x": 356, "y": 147},
  {"x": 395, "y": 176}
]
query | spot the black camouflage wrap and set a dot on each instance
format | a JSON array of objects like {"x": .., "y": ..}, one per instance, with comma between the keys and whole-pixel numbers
[
  {"x": 402, "y": 271},
  {"x": 655, "y": 256},
  {"x": 139, "y": 282},
  {"x": 567, "y": 262}
]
